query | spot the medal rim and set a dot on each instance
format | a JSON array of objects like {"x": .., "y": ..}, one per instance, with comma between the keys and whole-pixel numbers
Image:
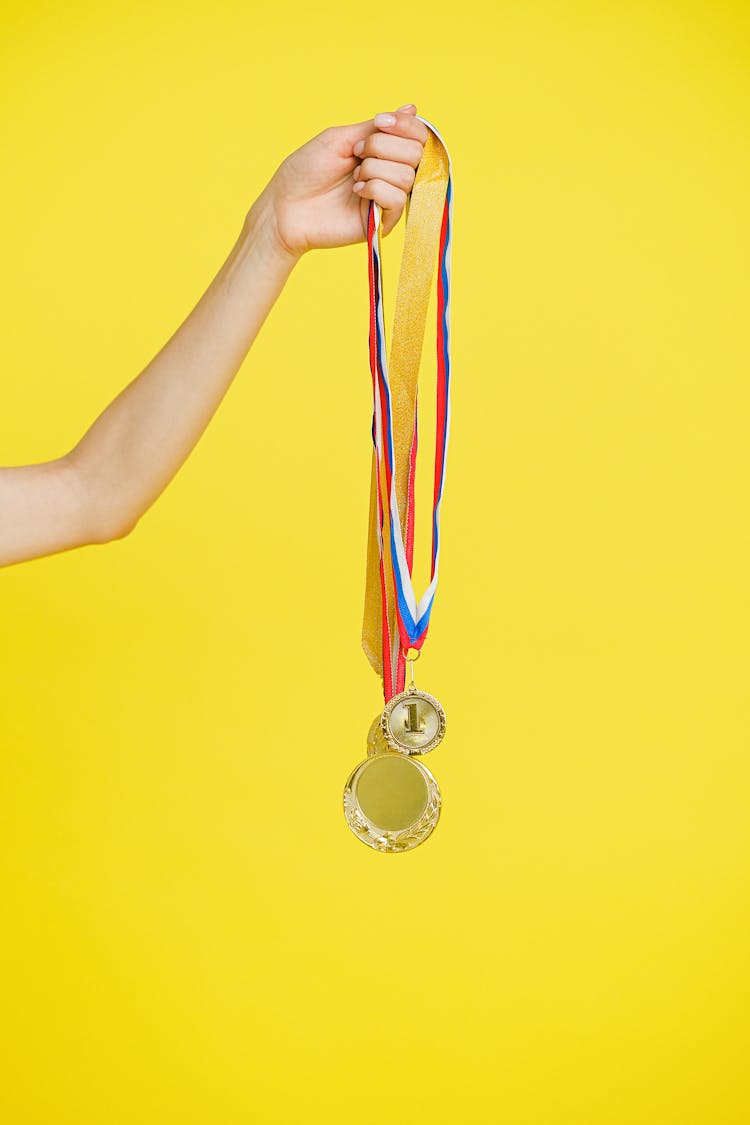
[
  {"x": 401, "y": 748},
  {"x": 401, "y": 839}
]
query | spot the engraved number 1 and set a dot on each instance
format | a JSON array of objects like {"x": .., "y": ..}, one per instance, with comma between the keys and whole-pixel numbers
[{"x": 412, "y": 724}]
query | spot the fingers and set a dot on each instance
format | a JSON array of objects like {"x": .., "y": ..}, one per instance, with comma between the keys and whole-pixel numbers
[
  {"x": 389, "y": 158},
  {"x": 400, "y": 175},
  {"x": 386, "y": 195}
]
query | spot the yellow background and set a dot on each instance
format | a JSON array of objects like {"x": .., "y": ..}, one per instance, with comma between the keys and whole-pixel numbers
[{"x": 191, "y": 933}]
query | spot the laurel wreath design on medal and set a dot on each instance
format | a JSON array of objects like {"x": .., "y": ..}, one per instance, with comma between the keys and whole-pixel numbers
[
  {"x": 394, "y": 841},
  {"x": 412, "y": 693}
]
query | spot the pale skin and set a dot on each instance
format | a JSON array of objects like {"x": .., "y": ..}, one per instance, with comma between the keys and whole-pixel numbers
[{"x": 317, "y": 198}]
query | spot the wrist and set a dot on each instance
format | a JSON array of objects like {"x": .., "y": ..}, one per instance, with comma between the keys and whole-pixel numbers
[{"x": 261, "y": 230}]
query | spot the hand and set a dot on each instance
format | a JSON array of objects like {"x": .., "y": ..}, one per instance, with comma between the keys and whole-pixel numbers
[{"x": 313, "y": 199}]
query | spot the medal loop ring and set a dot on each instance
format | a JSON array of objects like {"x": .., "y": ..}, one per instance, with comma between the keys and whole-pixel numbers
[{"x": 410, "y": 661}]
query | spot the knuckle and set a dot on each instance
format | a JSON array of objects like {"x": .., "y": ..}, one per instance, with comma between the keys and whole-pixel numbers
[
  {"x": 375, "y": 144},
  {"x": 416, "y": 152},
  {"x": 407, "y": 175},
  {"x": 387, "y": 195}
]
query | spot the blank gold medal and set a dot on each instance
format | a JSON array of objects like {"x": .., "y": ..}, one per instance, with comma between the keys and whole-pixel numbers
[{"x": 391, "y": 801}]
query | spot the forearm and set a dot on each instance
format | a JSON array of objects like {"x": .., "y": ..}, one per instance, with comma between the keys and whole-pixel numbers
[{"x": 135, "y": 447}]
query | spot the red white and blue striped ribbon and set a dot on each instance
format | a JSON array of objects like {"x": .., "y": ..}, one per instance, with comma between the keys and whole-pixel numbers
[{"x": 413, "y": 616}]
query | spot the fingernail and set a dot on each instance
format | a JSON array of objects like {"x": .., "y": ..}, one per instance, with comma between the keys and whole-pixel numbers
[
  {"x": 409, "y": 105},
  {"x": 358, "y": 147},
  {"x": 359, "y": 185},
  {"x": 384, "y": 119}
]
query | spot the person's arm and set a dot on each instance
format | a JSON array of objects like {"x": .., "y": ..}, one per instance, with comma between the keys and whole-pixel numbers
[{"x": 97, "y": 492}]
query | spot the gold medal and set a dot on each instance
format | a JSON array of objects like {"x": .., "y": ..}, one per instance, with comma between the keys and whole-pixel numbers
[
  {"x": 391, "y": 801},
  {"x": 413, "y": 721}
]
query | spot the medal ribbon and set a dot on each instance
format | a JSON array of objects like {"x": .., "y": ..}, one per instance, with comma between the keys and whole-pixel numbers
[{"x": 394, "y": 620}]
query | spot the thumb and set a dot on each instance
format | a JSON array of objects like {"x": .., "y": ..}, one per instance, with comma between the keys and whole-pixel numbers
[{"x": 346, "y": 136}]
